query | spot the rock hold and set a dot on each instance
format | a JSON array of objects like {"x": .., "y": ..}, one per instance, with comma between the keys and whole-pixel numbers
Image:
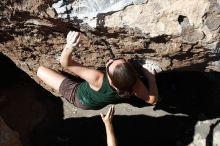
[{"x": 152, "y": 66}]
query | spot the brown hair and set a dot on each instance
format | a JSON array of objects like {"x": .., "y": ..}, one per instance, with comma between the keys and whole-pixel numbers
[{"x": 124, "y": 77}]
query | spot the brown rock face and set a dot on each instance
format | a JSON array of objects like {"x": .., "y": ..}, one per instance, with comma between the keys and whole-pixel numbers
[{"x": 178, "y": 34}]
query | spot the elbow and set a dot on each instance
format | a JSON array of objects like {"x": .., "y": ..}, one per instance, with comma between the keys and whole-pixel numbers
[
  {"x": 152, "y": 100},
  {"x": 40, "y": 71},
  {"x": 64, "y": 60},
  {"x": 63, "y": 63}
]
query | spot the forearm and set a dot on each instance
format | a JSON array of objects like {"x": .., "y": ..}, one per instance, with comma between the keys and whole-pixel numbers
[
  {"x": 153, "y": 90},
  {"x": 66, "y": 57},
  {"x": 111, "y": 139},
  {"x": 73, "y": 39}
]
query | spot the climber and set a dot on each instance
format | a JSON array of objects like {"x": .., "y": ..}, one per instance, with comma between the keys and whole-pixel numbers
[{"x": 98, "y": 89}]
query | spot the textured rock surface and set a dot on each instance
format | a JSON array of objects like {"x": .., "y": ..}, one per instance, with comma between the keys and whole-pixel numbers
[
  {"x": 207, "y": 133},
  {"x": 89, "y": 10},
  {"x": 178, "y": 34}
]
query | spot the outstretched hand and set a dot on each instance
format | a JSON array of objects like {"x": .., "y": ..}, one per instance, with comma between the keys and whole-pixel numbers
[
  {"x": 107, "y": 119},
  {"x": 72, "y": 40}
]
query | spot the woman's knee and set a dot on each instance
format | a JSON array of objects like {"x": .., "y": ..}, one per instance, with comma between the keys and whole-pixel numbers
[
  {"x": 50, "y": 77},
  {"x": 41, "y": 70}
]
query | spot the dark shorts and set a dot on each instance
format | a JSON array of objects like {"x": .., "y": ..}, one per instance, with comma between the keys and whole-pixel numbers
[{"x": 68, "y": 90}]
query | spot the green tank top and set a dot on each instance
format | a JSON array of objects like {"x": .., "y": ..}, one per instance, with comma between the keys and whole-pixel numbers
[{"x": 94, "y": 99}]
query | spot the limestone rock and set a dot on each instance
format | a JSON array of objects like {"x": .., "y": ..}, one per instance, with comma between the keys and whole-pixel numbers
[
  {"x": 207, "y": 133},
  {"x": 177, "y": 34}
]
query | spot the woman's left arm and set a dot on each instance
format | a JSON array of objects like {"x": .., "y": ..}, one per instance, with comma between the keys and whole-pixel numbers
[
  {"x": 149, "y": 94},
  {"x": 153, "y": 90}
]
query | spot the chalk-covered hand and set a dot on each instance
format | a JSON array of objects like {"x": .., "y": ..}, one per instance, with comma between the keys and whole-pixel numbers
[
  {"x": 107, "y": 119},
  {"x": 72, "y": 40}
]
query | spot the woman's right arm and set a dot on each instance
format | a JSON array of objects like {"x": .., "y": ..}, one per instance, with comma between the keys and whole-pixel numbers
[{"x": 72, "y": 39}]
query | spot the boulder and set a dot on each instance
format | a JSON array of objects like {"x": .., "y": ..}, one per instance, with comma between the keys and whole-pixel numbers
[{"x": 176, "y": 34}]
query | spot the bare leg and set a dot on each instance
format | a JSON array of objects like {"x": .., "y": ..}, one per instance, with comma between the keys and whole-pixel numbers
[{"x": 50, "y": 77}]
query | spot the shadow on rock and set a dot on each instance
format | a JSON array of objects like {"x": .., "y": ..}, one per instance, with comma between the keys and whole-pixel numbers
[
  {"x": 209, "y": 138},
  {"x": 130, "y": 130},
  {"x": 24, "y": 103},
  {"x": 191, "y": 93}
]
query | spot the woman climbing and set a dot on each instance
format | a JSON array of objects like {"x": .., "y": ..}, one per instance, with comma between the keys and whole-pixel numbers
[{"x": 120, "y": 80}]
